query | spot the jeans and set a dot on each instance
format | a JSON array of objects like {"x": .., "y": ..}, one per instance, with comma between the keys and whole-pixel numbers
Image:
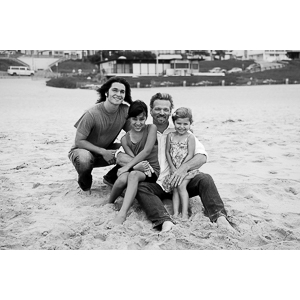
[
  {"x": 204, "y": 186},
  {"x": 149, "y": 196},
  {"x": 85, "y": 161}
]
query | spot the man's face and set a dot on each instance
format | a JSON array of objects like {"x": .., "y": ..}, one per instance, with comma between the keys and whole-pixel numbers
[
  {"x": 116, "y": 93},
  {"x": 161, "y": 111}
]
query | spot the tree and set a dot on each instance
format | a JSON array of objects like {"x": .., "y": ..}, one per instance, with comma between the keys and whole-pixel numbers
[
  {"x": 220, "y": 53},
  {"x": 115, "y": 54}
]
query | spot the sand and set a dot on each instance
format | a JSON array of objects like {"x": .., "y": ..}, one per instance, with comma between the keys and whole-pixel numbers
[{"x": 251, "y": 134}]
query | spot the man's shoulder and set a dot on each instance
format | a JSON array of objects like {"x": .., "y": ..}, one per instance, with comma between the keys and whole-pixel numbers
[
  {"x": 95, "y": 109},
  {"x": 169, "y": 130}
]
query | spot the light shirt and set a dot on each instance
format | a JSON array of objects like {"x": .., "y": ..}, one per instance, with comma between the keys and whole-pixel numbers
[{"x": 163, "y": 162}]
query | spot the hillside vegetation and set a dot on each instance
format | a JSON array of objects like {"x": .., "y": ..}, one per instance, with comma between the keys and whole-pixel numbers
[{"x": 6, "y": 63}]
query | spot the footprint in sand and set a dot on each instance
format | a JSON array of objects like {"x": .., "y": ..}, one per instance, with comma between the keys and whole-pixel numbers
[{"x": 291, "y": 190}]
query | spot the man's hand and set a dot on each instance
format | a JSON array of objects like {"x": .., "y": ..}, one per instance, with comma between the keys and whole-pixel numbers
[
  {"x": 109, "y": 156},
  {"x": 178, "y": 176}
]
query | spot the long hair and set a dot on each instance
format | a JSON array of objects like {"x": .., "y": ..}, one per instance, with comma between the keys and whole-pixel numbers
[{"x": 106, "y": 86}]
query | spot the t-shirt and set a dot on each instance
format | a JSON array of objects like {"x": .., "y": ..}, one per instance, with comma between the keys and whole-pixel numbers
[
  {"x": 100, "y": 127},
  {"x": 136, "y": 148}
]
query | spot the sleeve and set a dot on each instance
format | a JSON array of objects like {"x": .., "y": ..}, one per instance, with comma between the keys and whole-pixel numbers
[
  {"x": 199, "y": 148},
  {"x": 85, "y": 124}
]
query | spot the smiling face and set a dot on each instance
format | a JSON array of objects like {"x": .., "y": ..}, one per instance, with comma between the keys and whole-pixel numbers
[
  {"x": 116, "y": 93},
  {"x": 161, "y": 112},
  {"x": 182, "y": 125},
  {"x": 139, "y": 122}
]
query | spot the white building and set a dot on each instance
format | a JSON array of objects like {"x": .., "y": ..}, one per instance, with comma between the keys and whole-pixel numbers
[{"x": 261, "y": 55}]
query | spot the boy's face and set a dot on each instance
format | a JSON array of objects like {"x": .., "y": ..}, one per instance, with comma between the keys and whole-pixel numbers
[
  {"x": 161, "y": 111},
  {"x": 116, "y": 93}
]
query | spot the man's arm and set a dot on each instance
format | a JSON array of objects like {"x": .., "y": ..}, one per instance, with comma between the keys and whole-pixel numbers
[
  {"x": 195, "y": 163},
  {"x": 82, "y": 143}
]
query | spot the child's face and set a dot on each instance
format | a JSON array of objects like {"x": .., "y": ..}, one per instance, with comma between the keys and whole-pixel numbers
[
  {"x": 138, "y": 122},
  {"x": 182, "y": 125}
]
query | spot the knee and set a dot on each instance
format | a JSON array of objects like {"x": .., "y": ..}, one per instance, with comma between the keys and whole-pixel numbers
[
  {"x": 122, "y": 181},
  {"x": 133, "y": 175},
  {"x": 204, "y": 180},
  {"x": 207, "y": 179},
  {"x": 181, "y": 188},
  {"x": 83, "y": 159}
]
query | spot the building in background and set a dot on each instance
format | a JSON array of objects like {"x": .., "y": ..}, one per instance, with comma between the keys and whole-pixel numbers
[{"x": 261, "y": 55}]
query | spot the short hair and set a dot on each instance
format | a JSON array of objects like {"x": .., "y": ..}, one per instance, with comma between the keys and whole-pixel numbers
[
  {"x": 161, "y": 96},
  {"x": 137, "y": 107},
  {"x": 182, "y": 112},
  {"x": 107, "y": 85}
]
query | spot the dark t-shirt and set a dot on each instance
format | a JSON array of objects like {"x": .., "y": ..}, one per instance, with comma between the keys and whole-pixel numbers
[{"x": 100, "y": 127}]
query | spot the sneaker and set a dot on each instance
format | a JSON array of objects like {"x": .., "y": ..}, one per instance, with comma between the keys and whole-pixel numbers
[
  {"x": 107, "y": 181},
  {"x": 111, "y": 176}
]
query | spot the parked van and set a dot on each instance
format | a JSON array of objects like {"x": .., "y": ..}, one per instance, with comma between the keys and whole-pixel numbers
[{"x": 20, "y": 70}]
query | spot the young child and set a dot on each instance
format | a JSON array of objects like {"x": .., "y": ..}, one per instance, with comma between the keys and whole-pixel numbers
[
  {"x": 141, "y": 144},
  {"x": 180, "y": 148}
]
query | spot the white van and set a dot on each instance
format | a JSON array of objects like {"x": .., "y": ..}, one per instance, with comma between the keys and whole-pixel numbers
[{"x": 19, "y": 70}]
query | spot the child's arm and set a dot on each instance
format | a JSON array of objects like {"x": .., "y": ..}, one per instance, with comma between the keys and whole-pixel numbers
[
  {"x": 151, "y": 138},
  {"x": 168, "y": 156},
  {"x": 126, "y": 147},
  {"x": 191, "y": 148}
]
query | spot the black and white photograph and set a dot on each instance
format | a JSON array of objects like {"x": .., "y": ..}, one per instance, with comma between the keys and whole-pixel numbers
[{"x": 192, "y": 152}]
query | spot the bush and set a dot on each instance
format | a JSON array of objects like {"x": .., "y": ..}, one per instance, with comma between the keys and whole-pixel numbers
[{"x": 62, "y": 82}]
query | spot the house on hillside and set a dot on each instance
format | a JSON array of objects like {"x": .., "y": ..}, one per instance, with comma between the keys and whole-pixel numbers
[
  {"x": 163, "y": 65},
  {"x": 69, "y": 54},
  {"x": 261, "y": 55},
  {"x": 293, "y": 54}
]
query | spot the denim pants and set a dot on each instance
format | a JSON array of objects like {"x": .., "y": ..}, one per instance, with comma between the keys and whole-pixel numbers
[
  {"x": 85, "y": 161},
  {"x": 149, "y": 196}
]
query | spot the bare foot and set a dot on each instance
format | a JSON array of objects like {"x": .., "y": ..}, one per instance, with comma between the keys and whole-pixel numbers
[
  {"x": 185, "y": 216},
  {"x": 86, "y": 193},
  {"x": 118, "y": 220},
  {"x": 223, "y": 223},
  {"x": 167, "y": 226},
  {"x": 141, "y": 166},
  {"x": 175, "y": 215},
  {"x": 105, "y": 202}
]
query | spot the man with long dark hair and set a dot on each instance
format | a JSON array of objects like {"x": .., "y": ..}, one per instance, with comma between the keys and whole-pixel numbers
[{"x": 97, "y": 130}]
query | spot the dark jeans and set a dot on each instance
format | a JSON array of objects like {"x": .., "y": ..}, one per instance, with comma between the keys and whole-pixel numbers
[
  {"x": 85, "y": 161},
  {"x": 149, "y": 195}
]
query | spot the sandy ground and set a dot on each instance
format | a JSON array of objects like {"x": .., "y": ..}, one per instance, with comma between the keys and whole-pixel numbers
[{"x": 251, "y": 134}]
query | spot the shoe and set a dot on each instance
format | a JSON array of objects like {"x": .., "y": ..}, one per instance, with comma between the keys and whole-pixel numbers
[
  {"x": 107, "y": 181},
  {"x": 111, "y": 176}
]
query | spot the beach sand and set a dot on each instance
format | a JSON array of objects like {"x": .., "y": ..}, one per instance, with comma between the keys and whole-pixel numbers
[{"x": 252, "y": 137}]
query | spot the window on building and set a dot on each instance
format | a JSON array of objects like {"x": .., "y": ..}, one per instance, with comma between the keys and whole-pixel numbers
[{"x": 180, "y": 65}]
